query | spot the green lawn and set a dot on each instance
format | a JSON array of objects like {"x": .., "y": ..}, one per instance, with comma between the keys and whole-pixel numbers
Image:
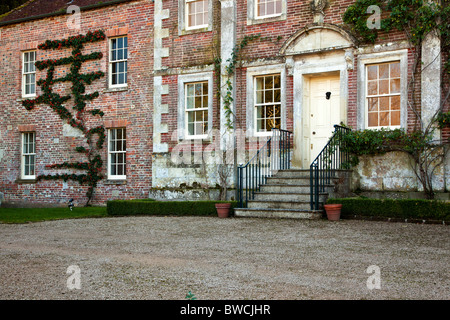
[{"x": 24, "y": 215}]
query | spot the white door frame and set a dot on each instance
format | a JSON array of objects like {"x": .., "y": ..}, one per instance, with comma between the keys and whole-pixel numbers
[
  {"x": 311, "y": 137},
  {"x": 304, "y": 67}
]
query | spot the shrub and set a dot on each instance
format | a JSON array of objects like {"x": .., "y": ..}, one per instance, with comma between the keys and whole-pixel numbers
[
  {"x": 390, "y": 208},
  {"x": 152, "y": 207}
]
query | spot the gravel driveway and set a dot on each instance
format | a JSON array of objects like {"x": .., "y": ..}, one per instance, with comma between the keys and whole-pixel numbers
[{"x": 235, "y": 258}]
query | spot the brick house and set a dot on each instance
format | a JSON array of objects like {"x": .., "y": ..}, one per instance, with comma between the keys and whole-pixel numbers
[{"x": 159, "y": 95}]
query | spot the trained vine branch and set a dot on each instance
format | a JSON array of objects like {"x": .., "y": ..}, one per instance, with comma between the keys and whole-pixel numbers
[{"x": 93, "y": 165}]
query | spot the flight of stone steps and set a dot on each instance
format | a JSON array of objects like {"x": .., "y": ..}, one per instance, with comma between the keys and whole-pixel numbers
[{"x": 287, "y": 195}]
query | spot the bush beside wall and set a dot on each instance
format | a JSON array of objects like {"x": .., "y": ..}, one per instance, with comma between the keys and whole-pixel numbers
[
  {"x": 162, "y": 208},
  {"x": 391, "y": 208}
]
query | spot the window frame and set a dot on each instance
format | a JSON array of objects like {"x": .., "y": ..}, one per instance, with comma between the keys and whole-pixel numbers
[
  {"x": 256, "y": 104},
  {"x": 367, "y": 97},
  {"x": 371, "y": 58},
  {"x": 24, "y": 155},
  {"x": 187, "y": 111},
  {"x": 186, "y": 16},
  {"x": 110, "y": 153},
  {"x": 253, "y": 18},
  {"x": 183, "y": 25},
  {"x": 182, "y": 105},
  {"x": 25, "y": 74},
  {"x": 252, "y": 73},
  {"x": 267, "y": 16},
  {"x": 111, "y": 62}
]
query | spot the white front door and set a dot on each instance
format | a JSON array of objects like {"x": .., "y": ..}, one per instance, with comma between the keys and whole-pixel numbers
[{"x": 324, "y": 111}]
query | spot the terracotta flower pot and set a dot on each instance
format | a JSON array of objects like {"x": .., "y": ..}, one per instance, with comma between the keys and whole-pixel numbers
[
  {"x": 223, "y": 209},
  {"x": 333, "y": 211}
]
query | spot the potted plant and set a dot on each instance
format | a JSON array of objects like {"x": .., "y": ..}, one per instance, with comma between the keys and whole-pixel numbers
[
  {"x": 223, "y": 209},
  {"x": 333, "y": 211},
  {"x": 225, "y": 171}
]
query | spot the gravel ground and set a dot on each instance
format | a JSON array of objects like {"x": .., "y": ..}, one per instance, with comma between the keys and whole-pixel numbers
[{"x": 236, "y": 258}]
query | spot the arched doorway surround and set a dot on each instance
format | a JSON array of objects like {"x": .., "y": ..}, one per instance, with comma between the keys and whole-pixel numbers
[{"x": 319, "y": 57}]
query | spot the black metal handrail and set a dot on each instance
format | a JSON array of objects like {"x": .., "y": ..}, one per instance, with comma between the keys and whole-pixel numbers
[
  {"x": 333, "y": 156},
  {"x": 273, "y": 156}
]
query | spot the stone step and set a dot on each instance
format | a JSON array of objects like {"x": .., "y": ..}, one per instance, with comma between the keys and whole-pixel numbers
[
  {"x": 285, "y": 196},
  {"x": 292, "y": 180},
  {"x": 289, "y": 188},
  {"x": 297, "y": 205},
  {"x": 288, "y": 181},
  {"x": 278, "y": 213},
  {"x": 293, "y": 173}
]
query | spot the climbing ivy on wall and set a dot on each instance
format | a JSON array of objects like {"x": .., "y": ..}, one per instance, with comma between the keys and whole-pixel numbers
[
  {"x": 93, "y": 165},
  {"x": 230, "y": 69},
  {"x": 416, "y": 19}
]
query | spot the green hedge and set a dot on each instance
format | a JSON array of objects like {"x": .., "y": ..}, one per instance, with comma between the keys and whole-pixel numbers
[
  {"x": 390, "y": 208},
  {"x": 152, "y": 207}
]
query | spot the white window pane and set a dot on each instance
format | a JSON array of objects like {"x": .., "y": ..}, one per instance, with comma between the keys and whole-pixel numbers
[
  {"x": 121, "y": 79},
  {"x": 278, "y": 7},
  {"x": 117, "y": 148},
  {"x": 259, "y": 97},
  {"x": 121, "y": 67},
  {"x": 191, "y": 117},
  {"x": 260, "y": 83},
  {"x": 198, "y": 102},
  {"x": 270, "y": 8},
  {"x": 261, "y": 10},
  {"x": 383, "y": 90},
  {"x": 260, "y": 126},
  {"x": 197, "y": 12},
  {"x": 277, "y": 95},
  {"x": 198, "y": 89},
  {"x": 191, "y": 20},
  {"x": 199, "y": 128},
  {"x": 120, "y": 170},
  {"x": 191, "y": 129},
  {"x": 32, "y": 144},
  {"x": 31, "y": 167},
  {"x": 190, "y": 102},
  {"x": 268, "y": 96},
  {"x": 190, "y": 89}
]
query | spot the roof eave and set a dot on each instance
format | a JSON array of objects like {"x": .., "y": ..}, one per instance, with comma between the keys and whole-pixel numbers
[{"x": 63, "y": 12}]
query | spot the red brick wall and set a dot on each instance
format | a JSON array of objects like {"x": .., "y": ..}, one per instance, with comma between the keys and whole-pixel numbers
[
  {"x": 133, "y": 105},
  {"x": 446, "y": 99}
]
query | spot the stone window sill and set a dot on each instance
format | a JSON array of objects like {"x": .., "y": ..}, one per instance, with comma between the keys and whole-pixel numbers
[
  {"x": 186, "y": 32},
  {"x": 26, "y": 181},
  {"x": 119, "y": 89},
  {"x": 115, "y": 182}
]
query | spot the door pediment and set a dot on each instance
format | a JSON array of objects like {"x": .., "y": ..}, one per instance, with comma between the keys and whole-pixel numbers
[{"x": 317, "y": 38}]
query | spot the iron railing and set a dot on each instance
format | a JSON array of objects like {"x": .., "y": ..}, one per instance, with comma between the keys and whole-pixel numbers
[
  {"x": 273, "y": 156},
  {"x": 333, "y": 156}
]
